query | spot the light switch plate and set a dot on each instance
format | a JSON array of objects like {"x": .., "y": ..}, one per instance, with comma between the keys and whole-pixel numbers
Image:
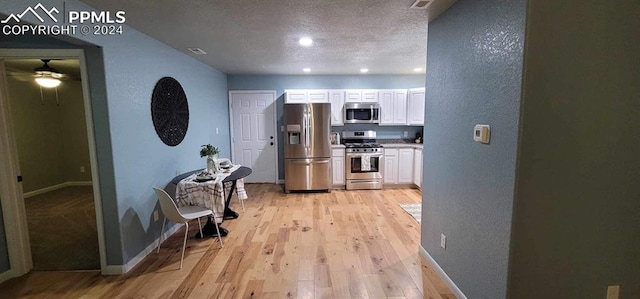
[
  {"x": 443, "y": 241},
  {"x": 482, "y": 133}
]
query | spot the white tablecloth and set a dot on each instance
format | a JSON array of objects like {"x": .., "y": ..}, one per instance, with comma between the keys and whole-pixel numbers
[{"x": 208, "y": 194}]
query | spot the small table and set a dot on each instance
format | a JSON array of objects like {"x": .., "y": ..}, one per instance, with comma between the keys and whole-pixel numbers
[{"x": 209, "y": 228}]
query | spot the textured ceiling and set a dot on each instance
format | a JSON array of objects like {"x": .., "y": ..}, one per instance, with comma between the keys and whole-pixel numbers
[{"x": 261, "y": 37}]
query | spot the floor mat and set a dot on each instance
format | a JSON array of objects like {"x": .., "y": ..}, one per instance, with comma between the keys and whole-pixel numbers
[{"x": 414, "y": 209}]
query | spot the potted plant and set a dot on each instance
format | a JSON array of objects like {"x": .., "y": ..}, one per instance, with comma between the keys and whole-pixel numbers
[{"x": 211, "y": 152}]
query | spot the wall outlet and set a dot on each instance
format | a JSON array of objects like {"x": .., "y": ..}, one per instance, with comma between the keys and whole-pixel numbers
[
  {"x": 81, "y": 168},
  {"x": 155, "y": 215},
  {"x": 405, "y": 134},
  {"x": 443, "y": 241},
  {"x": 613, "y": 292}
]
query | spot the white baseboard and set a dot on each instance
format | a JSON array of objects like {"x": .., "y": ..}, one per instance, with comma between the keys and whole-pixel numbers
[
  {"x": 280, "y": 182},
  {"x": 122, "y": 269},
  {"x": 454, "y": 288},
  {"x": 56, "y": 187},
  {"x": 4, "y": 276}
]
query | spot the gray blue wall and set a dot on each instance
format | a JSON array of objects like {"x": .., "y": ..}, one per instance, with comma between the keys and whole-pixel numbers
[
  {"x": 281, "y": 82},
  {"x": 132, "y": 159},
  {"x": 475, "y": 61},
  {"x": 577, "y": 207}
]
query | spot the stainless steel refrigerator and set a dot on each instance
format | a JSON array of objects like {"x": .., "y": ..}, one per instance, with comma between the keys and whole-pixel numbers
[{"x": 307, "y": 146}]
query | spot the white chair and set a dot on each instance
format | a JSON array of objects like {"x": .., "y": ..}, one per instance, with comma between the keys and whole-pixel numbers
[{"x": 181, "y": 215}]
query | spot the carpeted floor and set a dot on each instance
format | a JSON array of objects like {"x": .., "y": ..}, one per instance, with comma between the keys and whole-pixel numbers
[
  {"x": 414, "y": 209},
  {"x": 62, "y": 230}
]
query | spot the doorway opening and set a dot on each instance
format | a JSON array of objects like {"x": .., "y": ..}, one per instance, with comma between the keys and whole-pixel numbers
[
  {"x": 17, "y": 237},
  {"x": 49, "y": 128}
]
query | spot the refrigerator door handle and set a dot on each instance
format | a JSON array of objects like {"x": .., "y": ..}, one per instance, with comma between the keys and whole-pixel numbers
[
  {"x": 307, "y": 137},
  {"x": 304, "y": 129},
  {"x": 309, "y": 162}
]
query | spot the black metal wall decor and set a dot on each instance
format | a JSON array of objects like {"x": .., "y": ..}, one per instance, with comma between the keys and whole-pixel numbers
[{"x": 170, "y": 111}]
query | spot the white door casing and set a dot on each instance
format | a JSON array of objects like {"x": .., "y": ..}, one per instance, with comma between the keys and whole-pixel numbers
[
  {"x": 13, "y": 201},
  {"x": 253, "y": 129}
]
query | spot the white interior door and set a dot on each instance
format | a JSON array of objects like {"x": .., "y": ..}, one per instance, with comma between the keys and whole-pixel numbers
[{"x": 253, "y": 133}]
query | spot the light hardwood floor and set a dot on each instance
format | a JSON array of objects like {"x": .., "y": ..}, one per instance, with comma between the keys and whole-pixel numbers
[{"x": 344, "y": 244}]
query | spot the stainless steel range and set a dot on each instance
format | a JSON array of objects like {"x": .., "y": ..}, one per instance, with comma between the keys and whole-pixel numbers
[{"x": 364, "y": 160}]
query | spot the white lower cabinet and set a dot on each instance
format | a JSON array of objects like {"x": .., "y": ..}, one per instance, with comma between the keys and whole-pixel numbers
[
  {"x": 417, "y": 168},
  {"x": 390, "y": 166},
  {"x": 405, "y": 165},
  {"x": 337, "y": 158}
]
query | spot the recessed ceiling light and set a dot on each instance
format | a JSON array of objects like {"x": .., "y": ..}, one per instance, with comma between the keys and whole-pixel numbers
[
  {"x": 418, "y": 69},
  {"x": 305, "y": 41},
  {"x": 364, "y": 70},
  {"x": 306, "y": 69}
]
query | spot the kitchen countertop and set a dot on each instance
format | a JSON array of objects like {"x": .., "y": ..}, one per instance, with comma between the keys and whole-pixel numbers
[
  {"x": 390, "y": 143},
  {"x": 400, "y": 143}
]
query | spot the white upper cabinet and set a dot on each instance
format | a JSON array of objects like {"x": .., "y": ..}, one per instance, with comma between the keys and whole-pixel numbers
[
  {"x": 292, "y": 96},
  {"x": 415, "y": 107},
  {"x": 370, "y": 95},
  {"x": 336, "y": 98},
  {"x": 393, "y": 106},
  {"x": 361, "y": 95},
  {"x": 295, "y": 96}
]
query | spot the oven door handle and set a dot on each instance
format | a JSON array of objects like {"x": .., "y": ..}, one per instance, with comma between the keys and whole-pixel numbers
[{"x": 360, "y": 155}]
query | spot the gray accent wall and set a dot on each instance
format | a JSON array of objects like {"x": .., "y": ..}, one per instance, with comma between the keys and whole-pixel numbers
[
  {"x": 474, "y": 68},
  {"x": 4, "y": 251},
  {"x": 281, "y": 82},
  {"x": 132, "y": 159},
  {"x": 577, "y": 208},
  {"x": 52, "y": 137}
]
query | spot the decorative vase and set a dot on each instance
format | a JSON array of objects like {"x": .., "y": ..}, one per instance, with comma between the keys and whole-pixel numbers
[{"x": 212, "y": 164}]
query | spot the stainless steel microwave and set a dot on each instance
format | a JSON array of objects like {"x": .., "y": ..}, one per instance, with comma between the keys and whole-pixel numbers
[{"x": 361, "y": 113}]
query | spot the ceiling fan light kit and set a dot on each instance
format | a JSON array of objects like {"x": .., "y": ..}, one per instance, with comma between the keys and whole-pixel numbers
[
  {"x": 48, "y": 81},
  {"x": 47, "y": 76}
]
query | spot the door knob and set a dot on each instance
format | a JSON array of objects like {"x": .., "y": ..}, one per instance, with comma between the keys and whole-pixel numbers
[
  {"x": 271, "y": 137},
  {"x": 271, "y": 143}
]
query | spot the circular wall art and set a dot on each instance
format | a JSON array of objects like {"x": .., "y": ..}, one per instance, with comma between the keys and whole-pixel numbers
[{"x": 170, "y": 111}]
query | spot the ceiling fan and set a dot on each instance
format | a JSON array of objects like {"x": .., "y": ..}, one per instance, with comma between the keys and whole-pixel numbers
[
  {"x": 47, "y": 76},
  {"x": 44, "y": 75}
]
